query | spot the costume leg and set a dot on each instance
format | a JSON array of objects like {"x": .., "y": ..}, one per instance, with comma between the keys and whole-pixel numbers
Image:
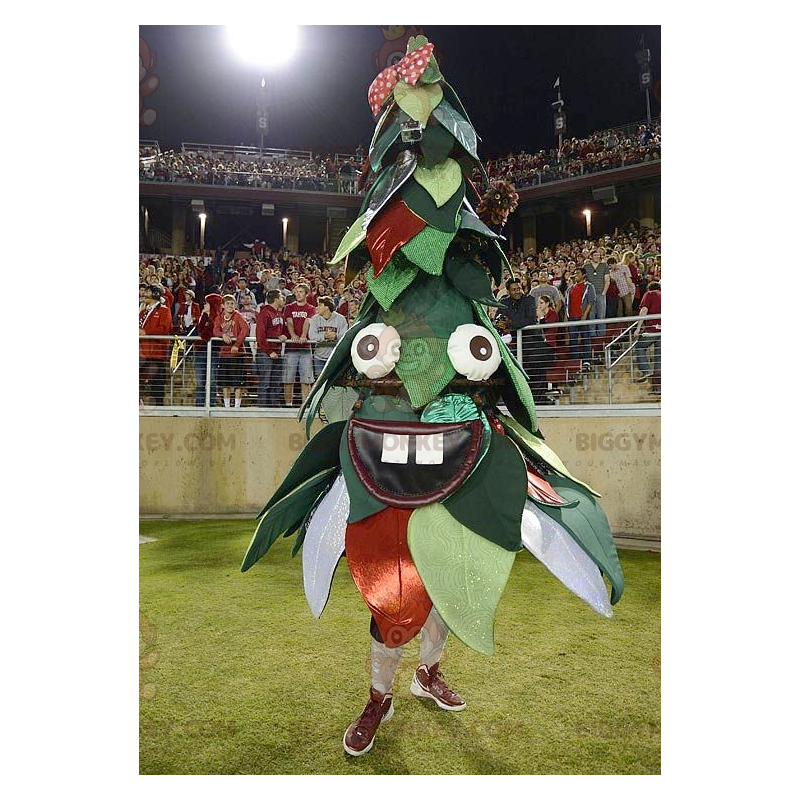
[
  {"x": 432, "y": 639},
  {"x": 428, "y": 681},
  {"x": 384, "y": 662}
]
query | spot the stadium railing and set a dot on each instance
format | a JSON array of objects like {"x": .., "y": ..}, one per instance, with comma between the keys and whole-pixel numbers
[
  {"x": 343, "y": 184},
  {"x": 593, "y": 364},
  {"x": 241, "y": 151}
]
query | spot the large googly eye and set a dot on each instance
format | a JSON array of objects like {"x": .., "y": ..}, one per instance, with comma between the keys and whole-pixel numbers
[
  {"x": 376, "y": 350},
  {"x": 473, "y": 352}
]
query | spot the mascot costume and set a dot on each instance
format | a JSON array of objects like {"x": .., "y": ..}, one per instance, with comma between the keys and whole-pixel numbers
[{"x": 421, "y": 482}]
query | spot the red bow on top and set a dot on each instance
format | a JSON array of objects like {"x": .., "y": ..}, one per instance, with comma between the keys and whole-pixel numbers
[{"x": 409, "y": 68}]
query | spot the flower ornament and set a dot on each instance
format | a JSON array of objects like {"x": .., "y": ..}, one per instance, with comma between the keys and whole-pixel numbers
[
  {"x": 499, "y": 200},
  {"x": 409, "y": 68}
]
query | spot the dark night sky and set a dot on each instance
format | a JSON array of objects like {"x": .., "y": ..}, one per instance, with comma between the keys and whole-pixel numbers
[{"x": 503, "y": 75}]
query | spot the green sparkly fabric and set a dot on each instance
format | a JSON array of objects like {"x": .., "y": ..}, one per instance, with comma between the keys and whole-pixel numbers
[
  {"x": 428, "y": 248},
  {"x": 424, "y": 368},
  {"x": 396, "y": 277},
  {"x": 514, "y": 372},
  {"x": 463, "y": 573}
]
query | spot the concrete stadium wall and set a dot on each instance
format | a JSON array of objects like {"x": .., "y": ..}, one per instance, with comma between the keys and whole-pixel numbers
[{"x": 198, "y": 466}]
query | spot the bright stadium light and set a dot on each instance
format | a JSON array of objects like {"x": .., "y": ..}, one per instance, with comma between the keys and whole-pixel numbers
[
  {"x": 587, "y": 212},
  {"x": 263, "y": 51}
]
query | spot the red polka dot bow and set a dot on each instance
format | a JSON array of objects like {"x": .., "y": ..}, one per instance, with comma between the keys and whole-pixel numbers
[{"x": 409, "y": 68}]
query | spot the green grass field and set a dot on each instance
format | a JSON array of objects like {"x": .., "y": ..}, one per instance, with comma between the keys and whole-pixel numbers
[{"x": 237, "y": 677}]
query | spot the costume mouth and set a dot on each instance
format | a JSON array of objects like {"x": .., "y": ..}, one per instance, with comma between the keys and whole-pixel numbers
[{"x": 409, "y": 464}]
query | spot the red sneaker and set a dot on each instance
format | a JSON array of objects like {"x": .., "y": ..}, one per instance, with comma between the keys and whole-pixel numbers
[
  {"x": 360, "y": 736},
  {"x": 430, "y": 683}
]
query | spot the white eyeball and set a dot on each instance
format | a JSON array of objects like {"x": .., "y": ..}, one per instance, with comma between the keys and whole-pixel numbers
[
  {"x": 473, "y": 352},
  {"x": 375, "y": 350}
]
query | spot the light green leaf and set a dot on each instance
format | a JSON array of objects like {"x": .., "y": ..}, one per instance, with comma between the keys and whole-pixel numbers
[
  {"x": 440, "y": 182},
  {"x": 418, "y": 101},
  {"x": 353, "y": 237},
  {"x": 464, "y": 574},
  {"x": 453, "y": 122}
]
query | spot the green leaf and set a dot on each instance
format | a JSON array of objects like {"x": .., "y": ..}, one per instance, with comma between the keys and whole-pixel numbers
[
  {"x": 463, "y": 573},
  {"x": 417, "y": 101},
  {"x": 473, "y": 223},
  {"x": 286, "y": 513},
  {"x": 428, "y": 249},
  {"x": 519, "y": 382},
  {"x": 441, "y": 181},
  {"x": 461, "y": 130},
  {"x": 588, "y": 525},
  {"x": 421, "y": 203},
  {"x": 436, "y": 144},
  {"x": 352, "y": 238},
  {"x": 395, "y": 279},
  {"x": 383, "y": 143},
  {"x": 470, "y": 278},
  {"x": 536, "y": 446},
  {"x": 491, "y": 500},
  {"x": 318, "y": 454}
]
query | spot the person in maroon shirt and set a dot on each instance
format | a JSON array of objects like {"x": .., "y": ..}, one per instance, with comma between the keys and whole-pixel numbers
[
  {"x": 650, "y": 304},
  {"x": 544, "y": 354},
  {"x": 297, "y": 358},
  {"x": 233, "y": 329},
  {"x": 205, "y": 329},
  {"x": 154, "y": 320},
  {"x": 269, "y": 328}
]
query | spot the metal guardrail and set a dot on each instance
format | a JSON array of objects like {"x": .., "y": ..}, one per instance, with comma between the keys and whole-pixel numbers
[
  {"x": 244, "y": 151},
  {"x": 249, "y": 180},
  {"x": 559, "y": 375}
]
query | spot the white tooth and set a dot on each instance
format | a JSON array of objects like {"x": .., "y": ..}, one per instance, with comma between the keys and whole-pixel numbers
[
  {"x": 430, "y": 448},
  {"x": 395, "y": 449}
]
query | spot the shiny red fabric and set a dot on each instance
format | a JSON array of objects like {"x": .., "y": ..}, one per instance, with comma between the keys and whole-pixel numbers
[
  {"x": 384, "y": 572},
  {"x": 390, "y": 230}
]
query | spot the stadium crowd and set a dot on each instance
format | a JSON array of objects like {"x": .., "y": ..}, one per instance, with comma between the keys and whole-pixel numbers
[
  {"x": 320, "y": 173},
  {"x": 597, "y": 152},
  {"x": 600, "y": 151},
  {"x": 295, "y": 304}
]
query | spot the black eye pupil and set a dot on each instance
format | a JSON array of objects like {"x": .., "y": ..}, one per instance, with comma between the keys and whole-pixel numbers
[
  {"x": 367, "y": 347},
  {"x": 480, "y": 347}
]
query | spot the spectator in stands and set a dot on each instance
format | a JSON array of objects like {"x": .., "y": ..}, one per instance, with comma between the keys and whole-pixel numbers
[
  {"x": 244, "y": 291},
  {"x": 297, "y": 316},
  {"x": 580, "y": 301},
  {"x": 520, "y": 308},
  {"x": 270, "y": 332},
  {"x": 352, "y": 312},
  {"x": 205, "y": 329},
  {"x": 597, "y": 274},
  {"x": 620, "y": 274},
  {"x": 249, "y": 314},
  {"x": 544, "y": 352},
  {"x": 230, "y": 325},
  {"x": 326, "y": 328},
  {"x": 546, "y": 289},
  {"x": 651, "y": 337},
  {"x": 188, "y": 312},
  {"x": 154, "y": 320}
]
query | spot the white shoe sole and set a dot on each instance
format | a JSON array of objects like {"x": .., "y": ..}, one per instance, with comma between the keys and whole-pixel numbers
[
  {"x": 366, "y": 750},
  {"x": 419, "y": 691}
]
